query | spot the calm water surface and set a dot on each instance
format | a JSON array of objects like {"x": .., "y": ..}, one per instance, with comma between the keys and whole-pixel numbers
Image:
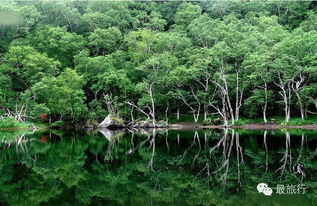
[{"x": 157, "y": 167}]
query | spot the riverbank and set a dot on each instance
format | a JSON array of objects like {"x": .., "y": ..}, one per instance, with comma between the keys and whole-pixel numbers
[
  {"x": 254, "y": 126},
  {"x": 190, "y": 126},
  {"x": 274, "y": 123},
  {"x": 248, "y": 124}
]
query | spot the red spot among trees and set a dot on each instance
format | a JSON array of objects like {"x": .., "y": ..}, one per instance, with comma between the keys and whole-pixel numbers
[
  {"x": 43, "y": 116},
  {"x": 43, "y": 139}
]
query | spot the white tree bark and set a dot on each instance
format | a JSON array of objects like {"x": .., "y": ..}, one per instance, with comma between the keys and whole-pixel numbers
[
  {"x": 225, "y": 97},
  {"x": 205, "y": 84},
  {"x": 265, "y": 102},
  {"x": 149, "y": 90},
  {"x": 239, "y": 96},
  {"x": 286, "y": 95},
  {"x": 297, "y": 85},
  {"x": 195, "y": 111},
  {"x": 221, "y": 111},
  {"x": 138, "y": 108}
]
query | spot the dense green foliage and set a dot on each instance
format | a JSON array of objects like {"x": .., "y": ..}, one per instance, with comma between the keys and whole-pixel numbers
[{"x": 75, "y": 61}]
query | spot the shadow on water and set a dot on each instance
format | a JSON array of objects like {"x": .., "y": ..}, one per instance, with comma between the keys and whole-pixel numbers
[{"x": 158, "y": 167}]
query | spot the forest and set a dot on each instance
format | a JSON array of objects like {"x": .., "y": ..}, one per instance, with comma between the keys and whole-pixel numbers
[{"x": 80, "y": 61}]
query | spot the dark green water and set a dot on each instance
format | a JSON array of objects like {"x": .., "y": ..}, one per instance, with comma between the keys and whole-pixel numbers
[{"x": 180, "y": 168}]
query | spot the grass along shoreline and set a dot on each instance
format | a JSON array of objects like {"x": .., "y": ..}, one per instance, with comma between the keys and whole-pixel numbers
[{"x": 13, "y": 124}]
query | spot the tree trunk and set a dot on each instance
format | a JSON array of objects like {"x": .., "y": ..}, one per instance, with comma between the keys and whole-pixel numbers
[
  {"x": 265, "y": 103},
  {"x": 287, "y": 110},
  {"x": 166, "y": 113},
  {"x": 196, "y": 112},
  {"x": 301, "y": 107},
  {"x": 132, "y": 116},
  {"x": 286, "y": 96},
  {"x": 224, "y": 112},
  {"x": 238, "y": 97},
  {"x": 196, "y": 115},
  {"x": 228, "y": 100},
  {"x": 150, "y": 92}
]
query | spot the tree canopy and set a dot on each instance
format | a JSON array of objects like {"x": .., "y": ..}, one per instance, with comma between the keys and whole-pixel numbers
[{"x": 232, "y": 59}]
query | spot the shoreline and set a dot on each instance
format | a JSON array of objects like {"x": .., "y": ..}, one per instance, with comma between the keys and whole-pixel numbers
[
  {"x": 191, "y": 126},
  {"x": 255, "y": 126}
]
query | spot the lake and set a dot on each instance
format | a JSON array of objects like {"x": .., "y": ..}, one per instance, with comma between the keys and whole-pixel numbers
[{"x": 158, "y": 167}]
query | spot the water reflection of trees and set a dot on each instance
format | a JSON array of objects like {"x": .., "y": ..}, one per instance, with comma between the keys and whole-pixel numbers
[
  {"x": 225, "y": 157},
  {"x": 168, "y": 167},
  {"x": 204, "y": 155},
  {"x": 296, "y": 168},
  {"x": 17, "y": 139}
]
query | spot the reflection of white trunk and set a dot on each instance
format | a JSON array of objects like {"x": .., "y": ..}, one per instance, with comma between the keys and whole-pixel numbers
[
  {"x": 227, "y": 145},
  {"x": 239, "y": 155},
  {"x": 225, "y": 155},
  {"x": 114, "y": 138},
  {"x": 166, "y": 140},
  {"x": 287, "y": 157},
  {"x": 297, "y": 168},
  {"x": 196, "y": 136},
  {"x": 301, "y": 149},
  {"x": 207, "y": 166},
  {"x": 133, "y": 148},
  {"x": 186, "y": 151},
  {"x": 152, "y": 144},
  {"x": 266, "y": 152}
]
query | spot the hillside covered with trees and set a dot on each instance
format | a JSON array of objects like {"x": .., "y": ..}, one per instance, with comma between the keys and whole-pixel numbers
[{"x": 79, "y": 61}]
